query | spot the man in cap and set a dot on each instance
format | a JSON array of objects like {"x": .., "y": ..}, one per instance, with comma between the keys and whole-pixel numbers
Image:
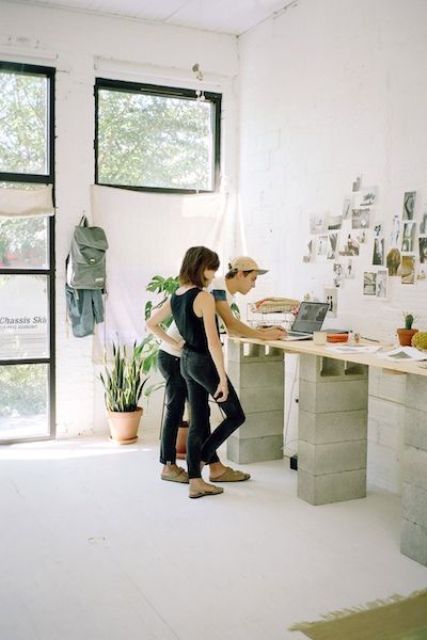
[{"x": 241, "y": 278}]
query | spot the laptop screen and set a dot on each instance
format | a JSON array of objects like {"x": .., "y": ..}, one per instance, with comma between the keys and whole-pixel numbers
[{"x": 310, "y": 316}]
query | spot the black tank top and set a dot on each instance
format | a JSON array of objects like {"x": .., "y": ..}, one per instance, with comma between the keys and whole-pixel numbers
[{"x": 189, "y": 325}]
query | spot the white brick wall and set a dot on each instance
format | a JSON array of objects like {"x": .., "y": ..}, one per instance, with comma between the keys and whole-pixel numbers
[{"x": 330, "y": 90}]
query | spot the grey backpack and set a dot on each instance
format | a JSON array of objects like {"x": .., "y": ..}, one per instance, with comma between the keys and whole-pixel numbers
[{"x": 86, "y": 262}]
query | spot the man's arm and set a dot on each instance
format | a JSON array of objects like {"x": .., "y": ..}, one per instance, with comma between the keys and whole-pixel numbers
[{"x": 239, "y": 328}]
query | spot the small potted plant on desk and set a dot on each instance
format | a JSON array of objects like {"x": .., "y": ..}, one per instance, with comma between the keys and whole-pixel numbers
[
  {"x": 123, "y": 384},
  {"x": 406, "y": 333}
]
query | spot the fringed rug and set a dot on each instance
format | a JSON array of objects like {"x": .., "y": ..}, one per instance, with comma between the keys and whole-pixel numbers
[{"x": 398, "y": 618}]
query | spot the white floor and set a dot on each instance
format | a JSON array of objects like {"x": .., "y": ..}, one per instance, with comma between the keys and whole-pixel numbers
[{"x": 94, "y": 547}]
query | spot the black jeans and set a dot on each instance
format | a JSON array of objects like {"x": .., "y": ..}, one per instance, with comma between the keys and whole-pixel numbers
[
  {"x": 176, "y": 395},
  {"x": 202, "y": 379}
]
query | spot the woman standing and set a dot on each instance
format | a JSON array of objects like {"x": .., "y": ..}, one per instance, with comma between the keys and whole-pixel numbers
[{"x": 202, "y": 363}]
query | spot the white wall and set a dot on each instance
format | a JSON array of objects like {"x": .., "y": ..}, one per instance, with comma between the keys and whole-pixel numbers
[
  {"x": 331, "y": 89},
  {"x": 82, "y": 46}
]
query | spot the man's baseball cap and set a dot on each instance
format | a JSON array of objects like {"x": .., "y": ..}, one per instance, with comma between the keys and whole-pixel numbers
[{"x": 244, "y": 263}]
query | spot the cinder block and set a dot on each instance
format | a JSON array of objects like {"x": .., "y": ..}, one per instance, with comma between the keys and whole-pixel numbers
[
  {"x": 319, "y": 369},
  {"x": 266, "y": 423},
  {"x": 245, "y": 450},
  {"x": 385, "y": 411},
  {"x": 333, "y": 396},
  {"x": 416, "y": 393},
  {"x": 323, "y": 428},
  {"x": 415, "y": 467},
  {"x": 387, "y": 385},
  {"x": 331, "y": 458},
  {"x": 333, "y": 487},
  {"x": 247, "y": 352},
  {"x": 413, "y": 541},
  {"x": 414, "y": 504},
  {"x": 416, "y": 428},
  {"x": 257, "y": 374},
  {"x": 261, "y": 400}
]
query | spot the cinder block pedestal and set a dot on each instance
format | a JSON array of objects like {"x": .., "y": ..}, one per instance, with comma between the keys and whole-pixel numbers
[
  {"x": 332, "y": 430},
  {"x": 413, "y": 542},
  {"x": 257, "y": 373}
]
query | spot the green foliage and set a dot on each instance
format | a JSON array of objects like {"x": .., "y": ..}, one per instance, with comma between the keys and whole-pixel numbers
[
  {"x": 23, "y": 390},
  {"x": 419, "y": 340},
  {"x": 23, "y": 116},
  {"x": 163, "y": 287},
  {"x": 154, "y": 141},
  {"x": 409, "y": 320},
  {"x": 23, "y": 242},
  {"x": 125, "y": 379}
]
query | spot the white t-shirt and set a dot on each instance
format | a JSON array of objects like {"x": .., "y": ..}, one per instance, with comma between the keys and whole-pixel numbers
[
  {"x": 165, "y": 346},
  {"x": 220, "y": 292}
]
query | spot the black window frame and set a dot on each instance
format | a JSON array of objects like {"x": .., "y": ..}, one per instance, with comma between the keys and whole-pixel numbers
[
  {"x": 169, "y": 92},
  {"x": 46, "y": 178}
]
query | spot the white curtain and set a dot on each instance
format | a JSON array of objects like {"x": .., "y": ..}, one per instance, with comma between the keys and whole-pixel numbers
[
  {"x": 148, "y": 234},
  {"x": 26, "y": 202}
]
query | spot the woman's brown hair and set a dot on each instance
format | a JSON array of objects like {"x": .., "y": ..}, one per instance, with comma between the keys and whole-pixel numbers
[{"x": 196, "y": 260}]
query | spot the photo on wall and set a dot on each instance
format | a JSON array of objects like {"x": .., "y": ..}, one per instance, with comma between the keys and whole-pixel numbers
[
  {"x": 408, "y": 237},
  {"x": 393, "y": 261},
  {"x": 331, "y": 297},
  {"x": 351, "y": 246},
  {"x": 349, "y": 270},
  {"x": 382, "y": 282},
  {"x": 346, "y": 208},
  {"x": 395, "y": 231},
  {"x": 318, "y": 223},
  {"x": 360, "y": 218},
  {"x": 407, "y": 270},
  {"x": 334, "y": 222},
  {"x": 408, "y": 205},
  {"x": 322, "y": 246},
  {"x": 365, "y": 198},
  {"x": 378, "y": 251},
  {"x": 338, "y": 274},
  {"x": 332, "y": 245},
  {"x": 369, "y": 283},
  {"x": 422, "y": 242},
  {"x": 309, "y": 254}
]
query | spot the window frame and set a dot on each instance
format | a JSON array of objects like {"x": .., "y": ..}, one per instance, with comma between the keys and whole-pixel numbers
[
  {"x": 169, "y": 92},
  {"x": 46, "y": 178}
]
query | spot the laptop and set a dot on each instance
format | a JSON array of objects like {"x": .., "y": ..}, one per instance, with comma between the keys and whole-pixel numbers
[{"x": 310, "y": 318}]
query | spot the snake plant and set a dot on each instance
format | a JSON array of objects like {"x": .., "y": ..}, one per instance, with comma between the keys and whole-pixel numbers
[{"x": 124, "y": 380}]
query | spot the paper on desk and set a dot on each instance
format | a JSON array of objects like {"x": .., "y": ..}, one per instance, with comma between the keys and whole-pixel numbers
[
  {"x": 354, "y": 348},
  {"x": 404, "y": 353}
]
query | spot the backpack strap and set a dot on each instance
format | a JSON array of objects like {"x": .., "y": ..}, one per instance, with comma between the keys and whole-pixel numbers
[{"x": 84, "y": 222}]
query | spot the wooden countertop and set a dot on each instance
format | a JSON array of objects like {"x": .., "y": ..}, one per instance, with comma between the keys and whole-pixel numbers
[{"x": 371, "y": 359}]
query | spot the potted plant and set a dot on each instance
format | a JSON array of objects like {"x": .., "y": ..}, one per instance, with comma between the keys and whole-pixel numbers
[
  {"x": 164, "y": 287},
  {"x": 405, "y": 334},
  {"x": 123, "y": 383}
]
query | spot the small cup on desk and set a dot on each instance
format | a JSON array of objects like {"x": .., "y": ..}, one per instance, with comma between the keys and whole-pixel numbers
[{"x": 319, "y": 337}]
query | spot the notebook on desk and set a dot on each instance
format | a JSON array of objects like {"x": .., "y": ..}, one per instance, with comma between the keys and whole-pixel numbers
[{"x": 310, "y": 318}]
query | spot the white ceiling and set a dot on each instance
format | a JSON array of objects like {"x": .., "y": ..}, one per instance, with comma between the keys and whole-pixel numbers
[{"x": 224, "y": 16}]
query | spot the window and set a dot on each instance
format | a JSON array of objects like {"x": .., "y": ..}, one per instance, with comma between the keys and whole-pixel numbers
[
  {"x": 27, "y": 264},
  {"x": 156, "y": 138}
]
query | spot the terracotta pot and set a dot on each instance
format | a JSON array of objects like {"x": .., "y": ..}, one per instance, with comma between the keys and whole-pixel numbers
[
  {"x": 124, "y": 425},
  {"x": 181, "y": 440},
  {"x": 405, "y": 336}
]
